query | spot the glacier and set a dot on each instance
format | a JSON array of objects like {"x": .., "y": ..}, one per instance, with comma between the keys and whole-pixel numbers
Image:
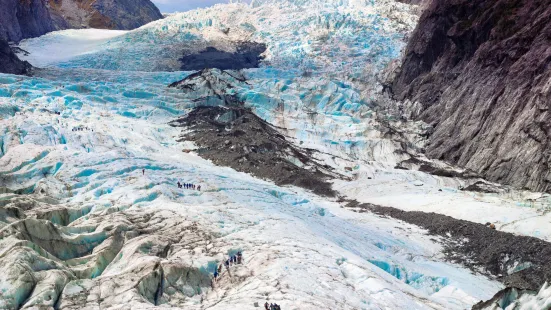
[{"x": 91, "y": 217}]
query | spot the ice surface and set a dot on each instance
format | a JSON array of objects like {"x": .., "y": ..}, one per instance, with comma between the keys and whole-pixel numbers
[
  {"x": 540, "y": 301},
  {"x": 326, "y": 36},
  {"x": 56, "y": 47},
  {"x": 334, "y": 257},
  {"x": 303, "y": 251}
]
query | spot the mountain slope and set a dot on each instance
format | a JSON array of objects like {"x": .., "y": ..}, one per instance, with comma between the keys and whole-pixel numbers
[
  {"x": 9, "y": 63},
  {"x": 103, "y": 14},
  {"x": 24, "y": 19},
  {"x": 27, "y": 19},
  {"x": 479, "y": 72}
]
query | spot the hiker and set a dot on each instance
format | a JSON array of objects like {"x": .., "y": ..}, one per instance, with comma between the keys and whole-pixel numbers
[
  {"x": 220, "y": 268},
  {"x": 239, "y": 258},
  {"x": 233, "y": 259},
  {"x": 215, "y": 275},
  {"x": 266, "y": 306},
  {"x": 193, "y": 186},
  {"x": 199, "y": 187},
  {"x": 179, "y": 184},
  {"x": 143, "y": 171},
  {"x": 227, "y": 263}
]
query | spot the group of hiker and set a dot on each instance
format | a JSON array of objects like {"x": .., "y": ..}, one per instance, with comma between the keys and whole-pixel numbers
[
  {"x": 189, "y": 186},
  {"x": 81, "y": 129},
  {"x": 183, "y": 185},
  {"x": 235, "y": 259},
  {"x": 272, "y": 306}
]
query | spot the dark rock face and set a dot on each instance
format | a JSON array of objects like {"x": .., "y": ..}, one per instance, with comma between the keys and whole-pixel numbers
[
  {"x": 247, "y": 55},
  {"x": 481, "y": 70},
  {"x": 24, "y": 19},
  {"x": 127, "y": 14},
  {"x": 9, "y": 63},
  {"x": 32, "y": 18},
  {"x": 103, "y": 14}
]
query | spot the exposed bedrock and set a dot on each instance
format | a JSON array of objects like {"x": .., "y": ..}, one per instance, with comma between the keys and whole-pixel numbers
[
  {"x": 9, "y": 62},
  {"x": 243, "y": 55},
  {"x": 24, "y": 19},
  {"x": 27, "y": 19},
  {"x": 122, "y": 14},
  {"x": 478, "y": 71},
  {"x": 211, "y": 86}
]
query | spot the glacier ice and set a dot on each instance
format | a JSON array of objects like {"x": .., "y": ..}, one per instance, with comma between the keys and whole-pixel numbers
[
  {"x": 102, "y": 166},
  {"x": 125, "y": 237},
  {"x": 322, "y": 36}
]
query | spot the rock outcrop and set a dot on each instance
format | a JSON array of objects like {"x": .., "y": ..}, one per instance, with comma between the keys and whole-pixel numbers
[
  {"x": 229, "y": 134},
  {"x": 246, "y": 55},
  {"x": 26, "y": 19},
  {"x": 479, "y": 72},
  {"x": 9, "y": 63},
  {"x": 103, "y": 14}
]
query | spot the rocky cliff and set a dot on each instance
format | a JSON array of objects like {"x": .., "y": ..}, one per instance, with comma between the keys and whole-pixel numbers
[
  {"x": 479, "y": 71},
  {"x": 9, "y": 63},
  {"x": 104, "y": 14},
  {"x": 26, "y": 19}
]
